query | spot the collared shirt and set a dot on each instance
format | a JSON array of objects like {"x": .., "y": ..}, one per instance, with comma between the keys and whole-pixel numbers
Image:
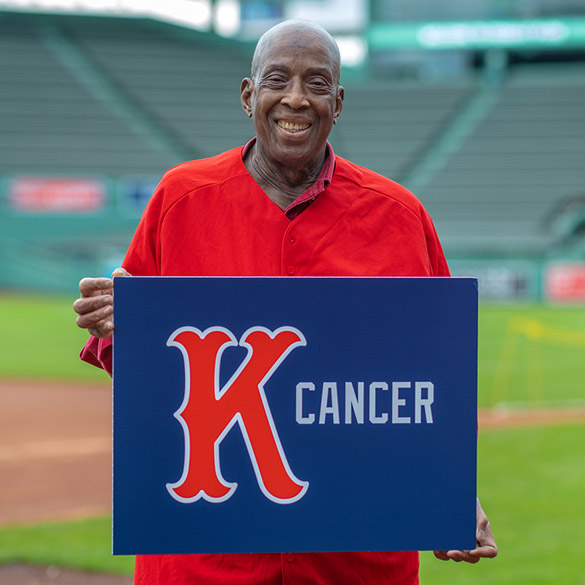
[
  {"x": 359, "y": 224},
  {"x": 312, "y": 192}
]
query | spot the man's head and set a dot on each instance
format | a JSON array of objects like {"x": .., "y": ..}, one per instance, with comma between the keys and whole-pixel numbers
[{"x": 293, "y": 95}]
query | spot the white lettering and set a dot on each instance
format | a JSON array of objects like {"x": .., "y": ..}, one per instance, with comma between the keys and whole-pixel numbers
[
  {"x": 420, "y": 402},
  {"x": 329, "y": 389},
  {"x": 415, "y": 406},
  {"x": 397, "y": 402},
  {"x": 374, "y": 417},
  {"x": 301, "y": 419},
  {"x": 354, "y": 403}
]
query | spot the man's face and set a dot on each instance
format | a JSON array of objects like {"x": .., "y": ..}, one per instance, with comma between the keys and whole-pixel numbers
[{"x": 294, "y": 98}]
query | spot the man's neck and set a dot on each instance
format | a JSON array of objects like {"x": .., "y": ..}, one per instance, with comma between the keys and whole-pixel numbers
[{"x": 282, "y": 184}]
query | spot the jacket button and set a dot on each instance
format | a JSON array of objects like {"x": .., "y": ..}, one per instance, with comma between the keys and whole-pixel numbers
[
  {"x": 290, "y": 270},
  {"x": 290, "y": 557},
  {"x": 293, "y": 239}
]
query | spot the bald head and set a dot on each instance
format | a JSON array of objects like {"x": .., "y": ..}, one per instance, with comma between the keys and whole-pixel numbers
[{"x": 299, "y": 31}]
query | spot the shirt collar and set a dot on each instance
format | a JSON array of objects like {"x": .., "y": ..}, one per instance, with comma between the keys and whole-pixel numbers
[{"x": 310, "y": 194}]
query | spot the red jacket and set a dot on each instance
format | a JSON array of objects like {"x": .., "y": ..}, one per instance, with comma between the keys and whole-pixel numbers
[{"x": 210, "y": 218}]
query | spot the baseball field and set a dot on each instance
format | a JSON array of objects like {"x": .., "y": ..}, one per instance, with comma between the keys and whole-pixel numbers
[{"x": 531, "y": 456}]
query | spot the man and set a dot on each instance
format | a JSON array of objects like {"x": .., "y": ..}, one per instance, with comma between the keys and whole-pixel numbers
[{"x": 282, "y": 205}]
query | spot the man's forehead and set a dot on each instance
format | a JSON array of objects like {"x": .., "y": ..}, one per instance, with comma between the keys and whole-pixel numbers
[
  {"x": 283, "y": 45},
  {"x": 285, "y": 61}
]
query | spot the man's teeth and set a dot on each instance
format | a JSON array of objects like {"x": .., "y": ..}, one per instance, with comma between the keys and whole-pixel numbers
[{"x": 291, "y": 127}]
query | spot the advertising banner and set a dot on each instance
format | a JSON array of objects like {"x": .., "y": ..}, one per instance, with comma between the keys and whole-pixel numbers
[
  {"x": 544, "y": 33},
  {"x": 56, "y": 195},
  {"x": 133, "y": 193},
  {"x": 501, "y": 279},
  {"x": 294, "y": 414},
  {"x": 565, "y": 282}
]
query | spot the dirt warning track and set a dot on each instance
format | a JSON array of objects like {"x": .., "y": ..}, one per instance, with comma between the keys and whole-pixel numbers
[{"x": 55, "y": 450}]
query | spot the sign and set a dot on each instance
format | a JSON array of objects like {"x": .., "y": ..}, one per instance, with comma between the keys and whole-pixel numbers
[
  {"x": 479, "y": 35},
  {"x": 133, "y": 193},
  {"x": 501, "y": 279},
  {"x": 565, "y": 282},
  {"x": 57, "y": 194},
  {"x": 294, "y": 414}
]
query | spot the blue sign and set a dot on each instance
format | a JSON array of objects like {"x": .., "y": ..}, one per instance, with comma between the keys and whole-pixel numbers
[
  {"x": 294, "y": 414},
  {"x": 133, "y": 193}
]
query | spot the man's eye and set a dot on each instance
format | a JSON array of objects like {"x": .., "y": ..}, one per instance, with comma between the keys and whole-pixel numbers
[
  {"x": 275, "y": 80},
  {"x": 319, "y": 83}
]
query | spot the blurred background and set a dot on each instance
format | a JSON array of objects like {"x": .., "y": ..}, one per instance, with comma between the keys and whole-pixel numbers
[{"x": 477, "y": 106}]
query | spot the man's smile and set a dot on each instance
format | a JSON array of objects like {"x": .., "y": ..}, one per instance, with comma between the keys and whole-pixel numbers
[{"x": 292, "y": 127}]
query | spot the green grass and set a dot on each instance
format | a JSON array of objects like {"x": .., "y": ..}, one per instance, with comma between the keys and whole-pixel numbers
[
  {"x": 531, "y": 354},
  {"x": 40, "y": 339},
  {"x": 531, "y": 483},
  {"x": 84, "y": 545},
  {"x": 526, "y": 353}
]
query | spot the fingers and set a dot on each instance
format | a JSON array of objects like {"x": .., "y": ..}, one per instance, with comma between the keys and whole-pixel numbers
[
  {"x": 484, "y": 552},
  {"x": 89, "y": 287},
  {"x": 85, "y": 305},
  {"x": 441, "y": 555},
  {"x": 95, "y": 314},
  {"x": 485, "y": 541},
  {"x": 456, "y": 555},
  {"x": 95, "y": 307}
]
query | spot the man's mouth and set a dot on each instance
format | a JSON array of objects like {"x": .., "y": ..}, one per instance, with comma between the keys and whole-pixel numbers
[{"x": 292, "y": 126}]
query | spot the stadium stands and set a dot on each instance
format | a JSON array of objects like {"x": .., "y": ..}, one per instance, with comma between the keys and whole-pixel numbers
[
  {"x": 119, "y": 98},
  {"x": 517, "y": 165},
  {"x": 386, "y": 126},
  {"x": 52, "y": 122},
  {"x": 191, "y": 89}
]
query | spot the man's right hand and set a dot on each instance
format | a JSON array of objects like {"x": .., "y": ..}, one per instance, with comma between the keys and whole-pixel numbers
[{"x": 95, "y": 306}]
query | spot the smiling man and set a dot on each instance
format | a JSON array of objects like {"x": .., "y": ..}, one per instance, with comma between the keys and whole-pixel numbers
[
  {"x": 282, "y": 205},
  {"x": 294, "y": 98}
]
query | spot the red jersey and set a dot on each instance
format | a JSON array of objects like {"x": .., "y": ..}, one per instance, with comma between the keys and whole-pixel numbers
[{"x": 210, "y": 218}]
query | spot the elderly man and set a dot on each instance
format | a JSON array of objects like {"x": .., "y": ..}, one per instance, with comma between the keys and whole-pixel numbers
[{"x": 284, "y": 204}]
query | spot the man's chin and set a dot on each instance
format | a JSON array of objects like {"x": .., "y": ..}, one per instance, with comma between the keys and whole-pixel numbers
[{"x": 298, "y": 156}]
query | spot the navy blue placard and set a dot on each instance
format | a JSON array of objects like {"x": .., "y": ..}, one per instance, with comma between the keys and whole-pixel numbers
[{"x": 294, "y": 414}]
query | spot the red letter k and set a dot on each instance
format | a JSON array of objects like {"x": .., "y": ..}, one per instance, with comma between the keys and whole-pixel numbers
[{"x": 208, "y": 412}]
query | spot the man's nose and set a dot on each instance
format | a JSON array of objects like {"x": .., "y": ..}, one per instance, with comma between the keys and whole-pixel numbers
[{"x": 295, "y": 97}]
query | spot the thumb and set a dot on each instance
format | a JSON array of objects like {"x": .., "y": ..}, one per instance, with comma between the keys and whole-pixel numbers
[{"x": 120, "y": 272}]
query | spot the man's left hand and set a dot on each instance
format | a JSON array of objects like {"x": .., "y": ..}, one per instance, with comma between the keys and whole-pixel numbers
[{"x": 486, "y": 543}]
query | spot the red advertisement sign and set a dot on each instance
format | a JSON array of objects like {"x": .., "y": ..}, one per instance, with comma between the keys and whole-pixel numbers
[
  {"x": 57, "y": 194},
  {"x": 565, "y": 282}
]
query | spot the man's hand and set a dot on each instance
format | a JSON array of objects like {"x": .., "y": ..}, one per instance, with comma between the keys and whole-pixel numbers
[
  {"x": 95, "y": 306},
  {"x": 486, "y": 543}
]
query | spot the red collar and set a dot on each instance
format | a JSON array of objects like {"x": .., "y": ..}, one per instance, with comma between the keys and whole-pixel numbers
[{"x": 310, "y": 194}]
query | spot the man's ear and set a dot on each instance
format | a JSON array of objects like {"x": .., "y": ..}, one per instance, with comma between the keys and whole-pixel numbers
[
  {"x": 246, "y": 91},
  {"x": 338, "y": 103}
]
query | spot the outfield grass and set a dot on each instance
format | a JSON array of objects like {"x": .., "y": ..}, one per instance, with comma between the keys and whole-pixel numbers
[
  {"x": 85, "y": 545},
  {"x": 531, "y": 355},
  {"x": 40, "y": 339},
  {"x": 527, "y": 354}
]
